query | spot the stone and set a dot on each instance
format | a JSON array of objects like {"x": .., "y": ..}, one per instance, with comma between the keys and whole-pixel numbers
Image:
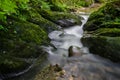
[
  {"x": 74, "y": 51},
  {"x": 108, "y": 47},
  {"x": 66, "y": 22}
]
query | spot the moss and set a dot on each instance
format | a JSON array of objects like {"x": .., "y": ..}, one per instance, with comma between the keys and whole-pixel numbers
[
  {"x": 30, "y": 32},
  {"x": 10, "y": 64},
  {"x": 55, "y": 16},
  {"x": 110, "y": 25},
  {"x": 107, "y": 47},
  {"x": 22, "y": 41},
  {"x": 25, "y": 41},
  {"x": 104, "y": 26},
  {"x": 106, "y": 16},
  {"x": 76, "y": 3},
  {"x": 36, "y": 18},
  {"x": 112, "y": 32},
  {"x": 57, "y": 5}
]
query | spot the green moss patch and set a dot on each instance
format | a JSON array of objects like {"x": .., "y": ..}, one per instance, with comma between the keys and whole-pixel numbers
[
  {"x": 106, "y": 16},
  {"x": 107, "y": 47},
  {"x": 23, "y": 39},
  {"x": 112, "y": 32},
  {"x": 55, "y": 16},
  {"x": 10, "y": 64}
]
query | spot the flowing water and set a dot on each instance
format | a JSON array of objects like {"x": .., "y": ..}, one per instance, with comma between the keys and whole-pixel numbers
[{"x": 84, "y": 67}]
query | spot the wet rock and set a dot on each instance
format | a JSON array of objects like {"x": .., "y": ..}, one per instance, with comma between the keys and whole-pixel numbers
[
  {"x": 107, "y": 47},
  {"x": 74, "y": 51},
  {"x": 63, "y": 19},
  {"x": 51, "y": 72},
  {"x": 66, "y": 22},
  {"x": 20, "y": 43},
  {"x": 104, "y": 31},
  {"x": 36, "y": 18}
]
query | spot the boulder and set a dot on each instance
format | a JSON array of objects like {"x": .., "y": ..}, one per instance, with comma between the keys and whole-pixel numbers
[
  {"x": 105, "y": 17},
  {"x": 74, "y": 51},
  {"x": 108, "y": 47},
  {"x": 104, "y": 29},
  {"x": 66, "y": 22},
  {"x": 63, "y": 19}
]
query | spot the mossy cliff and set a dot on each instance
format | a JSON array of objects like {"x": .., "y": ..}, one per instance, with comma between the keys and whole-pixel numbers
[
  {"x": 104, "y": 27},
  {"x": 23, "y": 29}
]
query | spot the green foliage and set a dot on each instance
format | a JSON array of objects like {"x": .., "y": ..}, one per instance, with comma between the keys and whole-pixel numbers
[
  {"x": 2, "y": 16},
  {"x": 11, "y": 6},
  {"x": 112, "y": 32},
  {"x": 106, "y": 16},
  {"x": 45, "y": 5},
  {"x": 1, "y": 27},
  {"x": 117, "y": 20},
  {"x": 57, "y": 5},
  {"x": 84, "y": 3},
  {"x": 6, "y": 8}
]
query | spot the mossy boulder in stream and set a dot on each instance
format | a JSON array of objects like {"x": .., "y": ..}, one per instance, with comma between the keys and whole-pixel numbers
[
  {"x": 107, "y": 47},
  {"x": 20, "y": 42},
  {"x": 25, "y": 39},
  {"x": 61, "y": 18},
  {"x": 106, "y": 17},
  {"x": 35, "y": 17},
  {"x": 104, "y": 29}
]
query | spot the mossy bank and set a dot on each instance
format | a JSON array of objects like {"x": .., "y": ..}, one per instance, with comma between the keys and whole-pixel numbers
[
  {"x": 23, "y": 29},
  {"x": 104, "y": 29}
]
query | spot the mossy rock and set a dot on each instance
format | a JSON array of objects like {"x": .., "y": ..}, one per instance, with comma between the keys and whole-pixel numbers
[
  {"x": 10, "y": 64},
  {"x": 104, "y": 27},
  {"x": 111, "y": 32},
  {"x": 106, "y": 17},
  {"x": 30, "y": 32},
  {"x": 36, "y": 18},
  {"x": 56, "y": 16},
  {"x": 56, "y": 5},
  {"x": 23, "y": 40},
  {"x": 76, "y": 3},
  {"x": 107, "y": 47}
]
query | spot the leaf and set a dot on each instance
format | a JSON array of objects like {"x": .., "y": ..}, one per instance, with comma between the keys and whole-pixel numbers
[
  {"x": 8, "y": 6},
  {"x": 1, "y": 27},
  {"x": 2, "y": 16}
]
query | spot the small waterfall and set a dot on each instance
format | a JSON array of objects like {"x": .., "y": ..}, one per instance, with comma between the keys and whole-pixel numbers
[
  {"x": 85, "y": 67},
  {"x": 65, "y": 38}
]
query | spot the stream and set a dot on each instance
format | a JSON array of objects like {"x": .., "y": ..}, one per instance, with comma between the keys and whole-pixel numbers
[{"x": 85, "y": 66}]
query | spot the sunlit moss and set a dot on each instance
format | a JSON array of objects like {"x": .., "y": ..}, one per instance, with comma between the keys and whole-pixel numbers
[{"x": 106, "y": 16}]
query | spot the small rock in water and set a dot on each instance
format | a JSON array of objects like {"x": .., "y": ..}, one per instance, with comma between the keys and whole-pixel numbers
[{"x": 74, "y": 51}]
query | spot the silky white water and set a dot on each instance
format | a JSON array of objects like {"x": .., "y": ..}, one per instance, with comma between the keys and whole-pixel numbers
[{"x": 85, "y": 67}]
